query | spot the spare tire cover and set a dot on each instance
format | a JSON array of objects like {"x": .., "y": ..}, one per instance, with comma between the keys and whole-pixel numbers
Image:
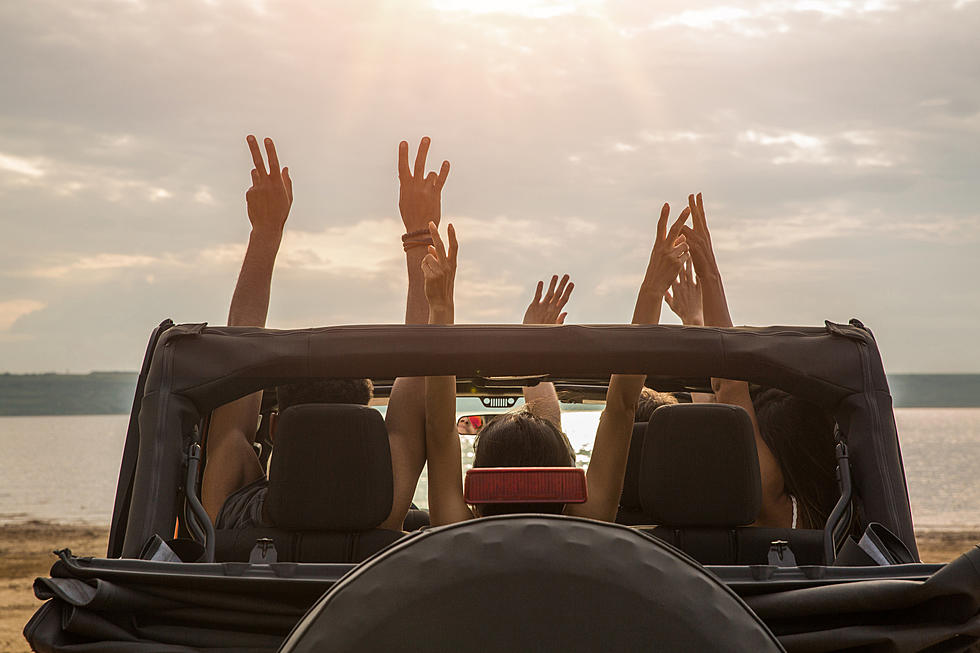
[{"x": 523, "y": 582}]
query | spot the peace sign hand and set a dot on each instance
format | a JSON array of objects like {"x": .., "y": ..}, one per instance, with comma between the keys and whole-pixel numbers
[
  {"x": 271, "y": 195},
  {"x": 439, "y": 269},
  {"x": 419, "y": 195}
]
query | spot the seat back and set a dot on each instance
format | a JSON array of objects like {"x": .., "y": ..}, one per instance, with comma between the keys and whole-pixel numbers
[
  {"x": 330, "y": 487},
  {"x": 698, "y": 480},
  {"x": 699, "y": 467}
]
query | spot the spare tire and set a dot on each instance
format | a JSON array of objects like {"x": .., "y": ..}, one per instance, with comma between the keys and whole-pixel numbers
[{"x": 530, "y": 582}]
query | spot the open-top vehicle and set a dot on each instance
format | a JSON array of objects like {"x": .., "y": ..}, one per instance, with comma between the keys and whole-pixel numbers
[{"x": 689, "y": 573}]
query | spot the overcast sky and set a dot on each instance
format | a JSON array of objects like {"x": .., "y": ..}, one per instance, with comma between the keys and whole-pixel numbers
[{"x": 837, "y": 144}]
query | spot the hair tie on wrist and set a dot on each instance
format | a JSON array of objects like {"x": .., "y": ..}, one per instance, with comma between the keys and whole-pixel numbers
[
  {"x": 417, "y": 232},
  {"x": 409, "y": 244}
]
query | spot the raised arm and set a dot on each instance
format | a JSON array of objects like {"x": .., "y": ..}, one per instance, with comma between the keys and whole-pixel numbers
[
  {"x": 776, "y": 505},
  {"x": 442, "y": 450},
  {"x": 419, "y": 202},
  {"x": 547, "y": 309},
  {"x": 608, "y": 463},
  {"x": 231, "y": 461}
]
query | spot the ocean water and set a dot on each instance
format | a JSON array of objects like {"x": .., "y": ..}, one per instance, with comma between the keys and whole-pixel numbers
[{"x": 65, "y": 468}]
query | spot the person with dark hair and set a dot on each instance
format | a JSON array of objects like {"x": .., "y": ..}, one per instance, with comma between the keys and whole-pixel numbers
[
  {"x": 231, "y": 461},
  {"x": 234, "y": 483},
  {"x": 801, "y": 437},
  {"x": 522, "y": 438},
  {"x": 794, "y": 439},
  {"x": 325, "y": 391}
]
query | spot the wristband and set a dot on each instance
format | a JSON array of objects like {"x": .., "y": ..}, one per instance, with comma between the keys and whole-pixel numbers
[
  {"x": 417, "y": 232},
  {"x": 409, "y": 244}
]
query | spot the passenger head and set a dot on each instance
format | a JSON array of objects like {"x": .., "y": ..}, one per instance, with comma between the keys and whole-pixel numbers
[
  {"x": 801, "y": 437},
  {"x": 325, "y": 391},
  {"x": 521, "y": 439},
  {"x": 651, "y": 400}
]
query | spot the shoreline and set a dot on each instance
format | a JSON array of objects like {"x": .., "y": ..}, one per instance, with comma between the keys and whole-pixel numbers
[{"x": 26, "y": 552}]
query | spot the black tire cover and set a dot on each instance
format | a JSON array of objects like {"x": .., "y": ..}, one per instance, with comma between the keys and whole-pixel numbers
[{"x": 530, "y": 583}]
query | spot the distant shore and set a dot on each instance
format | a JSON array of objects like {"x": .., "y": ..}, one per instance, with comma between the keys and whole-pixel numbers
[
  {"x": 26, "y": 552},
  {"x": 111, "y": 393}
]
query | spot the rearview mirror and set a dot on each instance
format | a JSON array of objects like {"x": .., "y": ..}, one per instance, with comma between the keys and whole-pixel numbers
[{"x": 472, "y": 424}]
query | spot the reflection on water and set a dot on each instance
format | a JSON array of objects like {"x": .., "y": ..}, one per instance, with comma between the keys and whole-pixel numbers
[
  {"x": 64, "y": 468},
  {"x": 60, "y": 468}
]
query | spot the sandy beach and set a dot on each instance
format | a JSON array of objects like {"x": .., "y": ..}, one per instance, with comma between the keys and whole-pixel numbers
[{"x": 26, "y": 552}]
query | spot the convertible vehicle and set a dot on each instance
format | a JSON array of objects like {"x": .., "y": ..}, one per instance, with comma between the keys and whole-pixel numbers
[{"x": 683, "y": 571}]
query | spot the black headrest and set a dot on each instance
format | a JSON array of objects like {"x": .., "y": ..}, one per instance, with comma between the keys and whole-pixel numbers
[
  {"x": 700, "y": 467},
  {"x": 331, "y": 469},
  {"x": 630, "y": 498}
]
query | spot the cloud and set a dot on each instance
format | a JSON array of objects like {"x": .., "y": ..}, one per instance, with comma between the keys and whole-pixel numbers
[
  {"x": 762, "y": 18},
  {"x": 14, "y": 309},
  {"x": 20, "y": 166}
]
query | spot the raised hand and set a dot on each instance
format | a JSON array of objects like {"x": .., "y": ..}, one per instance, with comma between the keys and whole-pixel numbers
[
  {"x": 419, "y": 195},
  {"x": 547, "y": 309},
  {"x": 686, "y": 299},
  {"x": 699, "y": 239},
  {"x": 670, "y": 250},
  {"x": 271, "y": 194},
  {"x": 439, "y": 269}
]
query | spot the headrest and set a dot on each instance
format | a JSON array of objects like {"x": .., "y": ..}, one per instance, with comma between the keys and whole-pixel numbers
[
  {"x": 700, "y": 467},
  {"x": 331, "y": 469},
  {"x": 630, "y": 499}
]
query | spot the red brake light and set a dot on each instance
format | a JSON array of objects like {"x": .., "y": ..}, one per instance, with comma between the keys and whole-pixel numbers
[{"x": 525, "y": 485}]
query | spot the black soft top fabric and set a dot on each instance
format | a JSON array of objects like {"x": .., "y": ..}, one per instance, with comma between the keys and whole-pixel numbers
[
  {"x": 135, "y": 605},
  {"x": 196, "y": 368}
]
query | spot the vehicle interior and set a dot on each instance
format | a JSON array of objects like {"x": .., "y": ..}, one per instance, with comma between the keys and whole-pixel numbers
[{"x": 692, "y": 480}]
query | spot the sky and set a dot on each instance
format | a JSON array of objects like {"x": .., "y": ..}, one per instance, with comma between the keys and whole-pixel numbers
[{"x": 837, "y": 144}]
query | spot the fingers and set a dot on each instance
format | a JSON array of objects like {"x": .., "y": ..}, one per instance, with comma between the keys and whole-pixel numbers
[
  {"x": 697, "y": 211},
  {"x": 288, "y": 182},
  {"x": 669, "y": 299},
  {"x": 453, "y": 245},
  {"x": 430, "y": 264},
  {"x": 675, "y": 229},
  {"x": 560, "y": 290},
  {"x": 688, "y": 271},
  {"x": 270, "y": 150},
  {"x": 255, "y": 178},
  {"x": 551, "y": 290},
  {"x": 443, "y": 174},
  {"x": 537, "y": 292},
  {"x": 253, "y": 147},
  {"x": 561, "y": 318},
  {"x": 431, "y": 179},
  {"x": 404, "y": 172},
  {"x": 420, "y": 158},
  {"x": 563, "y": 297},
  {"x": 437, "y": 248},
  {"x": 662, "y": 223}
]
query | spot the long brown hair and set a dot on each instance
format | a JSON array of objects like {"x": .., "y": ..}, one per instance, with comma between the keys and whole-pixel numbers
[{"x": 801, "y": 437}]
